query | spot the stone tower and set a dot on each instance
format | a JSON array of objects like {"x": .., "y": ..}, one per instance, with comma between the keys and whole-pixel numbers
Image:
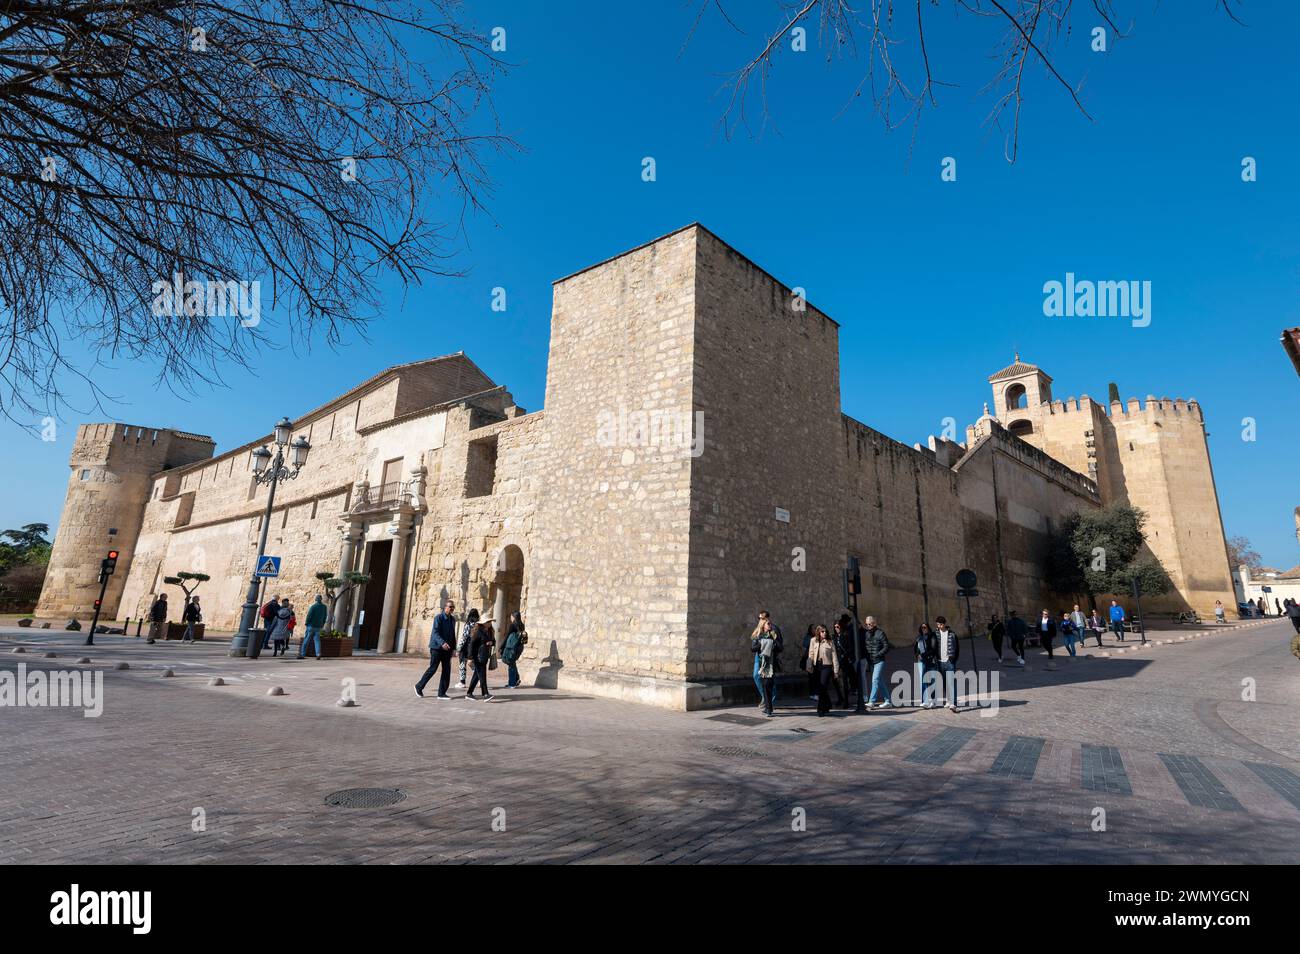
[
  {"x": 112, "y": 466},
  {"x": 1154, "y": 457}
]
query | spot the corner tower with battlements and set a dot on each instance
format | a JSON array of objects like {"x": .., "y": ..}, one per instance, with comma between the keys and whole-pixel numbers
[
  {"x": 1153, "y": 456},
  {"x": 111, "y": 480}
]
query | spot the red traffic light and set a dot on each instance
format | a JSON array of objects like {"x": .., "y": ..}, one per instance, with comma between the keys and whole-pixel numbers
[
  {"x": 112, "y": 554},
  {"x": 96, "y": 604}
]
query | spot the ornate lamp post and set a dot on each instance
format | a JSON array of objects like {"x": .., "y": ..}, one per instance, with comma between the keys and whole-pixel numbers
[{"x": 267, "y": 469}]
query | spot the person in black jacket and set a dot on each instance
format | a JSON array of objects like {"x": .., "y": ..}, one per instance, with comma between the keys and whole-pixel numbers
[
  {"x": 191, "y": 616},
  {"x": 803, "y": 661},
  {"x": 997, "y": 629},
  {"x": 1046, "y": 628},
  {"x": 875, "y": 646},
  {"x": 843, "y": 641},
  {"x": 158, "y": 618},
  {"x": 1016, "y": 631},
  {"x": 926, "y": 650},
  {"x": 481, "y": 648}
]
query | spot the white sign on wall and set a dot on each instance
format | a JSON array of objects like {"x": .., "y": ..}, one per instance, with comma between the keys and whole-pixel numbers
[{"x": 782, "y": 515}]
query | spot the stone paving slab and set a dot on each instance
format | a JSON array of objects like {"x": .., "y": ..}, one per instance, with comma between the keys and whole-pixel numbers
[
  {"x": 1018, "y": 758},
  {"x": 938, "y": 750},
  {"x": 1103, "y": 770},
  {"x": 1198, "y": 783}
]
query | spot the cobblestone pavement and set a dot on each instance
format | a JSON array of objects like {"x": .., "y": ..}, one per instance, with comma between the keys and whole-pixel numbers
[{"x": 1166, "y": 740}]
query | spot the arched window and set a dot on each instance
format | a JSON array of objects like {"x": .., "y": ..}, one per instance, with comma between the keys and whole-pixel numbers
[
  {"x": 1021, "y": 428},
  {"x": 1016, "y": 397}
]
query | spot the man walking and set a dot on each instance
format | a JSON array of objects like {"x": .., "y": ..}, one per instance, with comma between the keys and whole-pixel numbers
[
  {"x": 1117, "y": 620},
  {"x": 157, "y": 617},
  {"x": 1046, "y": 635},
  {"x": 190, "y": 616},
  {"x": 949, "y": 652},
  {"x": 316, "y": 615},
  {"x": 876, "y": 645},
  {"x": 441, "y": 639},
  {"x": 1016, "y": 630}
]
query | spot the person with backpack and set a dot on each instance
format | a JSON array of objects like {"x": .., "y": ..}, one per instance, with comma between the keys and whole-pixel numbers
[
  {"x": 268, "y": 614},
  {"x": 158, "y": 618},
  {"x": 875, "y": 647},
  {"x": 462, "y": 645},
  {"x": 482, "y": 647},
  {"x": 516, "y": 640},
  {"x": 1016, "y": 632},
  {"x": 316, "y": 616},
  {"x": 926, "y": 651},
  {"x": 190, "y": 616}
]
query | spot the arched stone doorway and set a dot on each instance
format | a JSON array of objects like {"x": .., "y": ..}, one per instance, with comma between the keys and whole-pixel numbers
[{"x": 507, "y": 589}]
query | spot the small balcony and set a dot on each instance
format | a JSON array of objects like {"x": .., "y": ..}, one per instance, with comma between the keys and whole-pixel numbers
[{"x": 383, "y": 497}]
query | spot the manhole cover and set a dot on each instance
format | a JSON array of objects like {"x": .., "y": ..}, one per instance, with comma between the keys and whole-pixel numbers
[
  {"x": 735, "y": 751},
  {"x": 364, "y": 798}
]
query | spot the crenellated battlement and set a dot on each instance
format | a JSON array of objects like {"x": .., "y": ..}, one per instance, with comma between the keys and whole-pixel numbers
[{"x": 1156, "y": 407}]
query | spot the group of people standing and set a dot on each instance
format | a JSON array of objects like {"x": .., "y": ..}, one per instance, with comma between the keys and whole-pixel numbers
[
  {"x": 475, "y": 647},
  {"x": 280, "y": 619},
  {"x": 159, "y": 611}
]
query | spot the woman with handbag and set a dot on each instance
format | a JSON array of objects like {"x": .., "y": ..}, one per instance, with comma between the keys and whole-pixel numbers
[
  {"x": 482, "y": 650},
  {"x": 462, "y": 645}
]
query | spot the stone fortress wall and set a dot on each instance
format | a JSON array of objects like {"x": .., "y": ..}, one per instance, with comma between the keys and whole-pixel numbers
[{"x": 691, "y": 467}]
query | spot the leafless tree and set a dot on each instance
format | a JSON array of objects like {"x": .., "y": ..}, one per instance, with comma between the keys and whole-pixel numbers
[
  {"x": 898, "y": 73},
  {"x": 313, "y": 146}
]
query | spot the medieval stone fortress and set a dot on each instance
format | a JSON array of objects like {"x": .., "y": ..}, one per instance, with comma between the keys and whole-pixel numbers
[{"x": 640, "y": 554}]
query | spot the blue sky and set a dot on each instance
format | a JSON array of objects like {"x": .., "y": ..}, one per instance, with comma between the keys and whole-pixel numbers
[{"x": 934, "y": 283}]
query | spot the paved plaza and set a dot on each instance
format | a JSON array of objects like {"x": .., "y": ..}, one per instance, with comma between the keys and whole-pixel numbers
[{"x": 1160, "y": 743}]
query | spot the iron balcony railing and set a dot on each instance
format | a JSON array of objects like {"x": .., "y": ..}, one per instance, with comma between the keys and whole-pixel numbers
[{"x": 381, "y": 496}]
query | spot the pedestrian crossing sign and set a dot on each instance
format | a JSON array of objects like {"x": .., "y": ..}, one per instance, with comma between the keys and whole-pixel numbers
[{"x": 268, "y": 566}]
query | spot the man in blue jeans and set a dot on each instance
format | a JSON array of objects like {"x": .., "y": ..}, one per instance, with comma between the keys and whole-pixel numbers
[
  {"x": 949, "y": 653},
  {"x": 316, "y": 616},
  {"x": 875, "y": 646},
  {"x": 1117, "y": 620},
  {"x": 441, "y": 639}
]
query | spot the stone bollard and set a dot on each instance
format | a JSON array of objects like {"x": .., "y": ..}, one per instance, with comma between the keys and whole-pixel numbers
[
  {"x": 51, "y": 655},
  {"x": 216, "y": 681},
  {"x": 18, "y": 649},
  {"x": 346, "y": 703},
  {"x": 167, "y": 674},
  {"x": 83, "y": 661},
  {"x": 275, "y": 691},
  {"x": 122, "y": 665}
]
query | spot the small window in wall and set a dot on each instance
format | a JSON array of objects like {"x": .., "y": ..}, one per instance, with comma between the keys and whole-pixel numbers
[
  {"x": 481, "y": 467},
  {"x": 85, "y": 475}
]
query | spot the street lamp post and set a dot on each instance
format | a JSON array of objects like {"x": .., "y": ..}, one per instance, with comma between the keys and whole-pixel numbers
[{"x": 267, "y": 469}]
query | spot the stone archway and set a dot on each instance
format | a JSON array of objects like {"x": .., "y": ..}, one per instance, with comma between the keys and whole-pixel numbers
[{"x": 507, "y": 585}]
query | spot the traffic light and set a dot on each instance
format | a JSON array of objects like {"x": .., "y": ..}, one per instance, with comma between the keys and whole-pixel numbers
[{"x": 97, "y": 602}]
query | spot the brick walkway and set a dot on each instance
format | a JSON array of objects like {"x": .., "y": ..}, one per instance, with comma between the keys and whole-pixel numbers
[{"x": 1210, "y": 777}]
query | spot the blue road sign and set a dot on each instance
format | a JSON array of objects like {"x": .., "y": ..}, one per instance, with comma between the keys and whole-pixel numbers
[{"x": 268, "y": 566}]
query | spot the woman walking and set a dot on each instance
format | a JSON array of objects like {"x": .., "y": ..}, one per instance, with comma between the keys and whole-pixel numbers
[
  {"x": 516, "y": 639},
  {"x": 462, "y": 644},
  {"x": 481, "y": 648},
  {"x": 808, "y": 638},
  {"x": 824, "y": 666}
]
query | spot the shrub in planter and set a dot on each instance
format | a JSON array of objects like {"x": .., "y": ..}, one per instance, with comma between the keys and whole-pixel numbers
[{"x": 334, "y": 643}]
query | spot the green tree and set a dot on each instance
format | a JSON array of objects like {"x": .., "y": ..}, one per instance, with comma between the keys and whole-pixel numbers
[
  {"x": 1100, "y": 551},
  {"x": 336, "y": 587},
  {"x": 31, "y": 536},
  {"x": 183, "y": 579}
]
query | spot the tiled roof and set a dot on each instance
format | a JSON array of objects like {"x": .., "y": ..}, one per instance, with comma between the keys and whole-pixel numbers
[{"x": 1016, "y": 369}]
